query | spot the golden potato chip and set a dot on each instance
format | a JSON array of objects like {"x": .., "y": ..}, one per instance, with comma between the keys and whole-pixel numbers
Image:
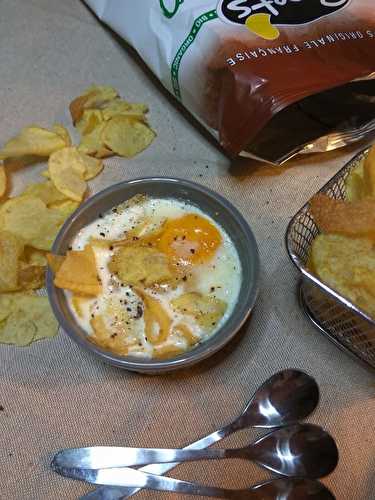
[
  {"x": 11, "y": 249},
  {"x": 141, "y": 266},
  {"x": 207, "y": 311},
  {"x": 93, "y": 166},
  {"x": 93, "y": 97},
  {"x": 34, "y": 257},
  {"x": 120, "y": 107},
  {"x": 91, "y": 118},
  {"x": 369, "y": 172},
  {"x": 78, "y": 273},
  {"x": 17, "y": 329},
  {"x": 6, "y": 305},
  {"x": 55, "y": 261},
  {"x": 63, "y": 133},
  {"x": 67, "y": 172},
  {"x": 3, "y": 181},
  {"x": 31, "y": 277},
  {"x": 157, "y": 321},
  {"x": 29, "y": 219},
  {"x": 46, "y": 191},
  {"x": 30, "y": 319},
  {"x": 66, "y": 208},
  {"x": 127, "y": 137},
  {"x": 33, "y": 140},
  {"x": 348, "y": 266},
  {"x": 103, "y": 338},
  {"x": 340, "y": 217},
  {"x": 92, "y": 143}
]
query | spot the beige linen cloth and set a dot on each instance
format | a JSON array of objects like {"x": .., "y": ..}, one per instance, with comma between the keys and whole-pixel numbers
[{"x": 55, "y": 395}]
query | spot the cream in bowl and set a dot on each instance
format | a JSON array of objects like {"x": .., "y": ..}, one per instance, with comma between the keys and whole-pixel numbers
[{"x": 167, "y": 277}]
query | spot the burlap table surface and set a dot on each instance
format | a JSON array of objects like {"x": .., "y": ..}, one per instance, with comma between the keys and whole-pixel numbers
[{"x": 56, "y": 395}]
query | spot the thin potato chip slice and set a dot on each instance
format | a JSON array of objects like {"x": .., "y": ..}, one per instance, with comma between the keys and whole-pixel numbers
[
  {"x": 11, "y": 249},
  {"x": 31, "y": 277},
  {"x": 3, "y": 181},
  {"x": 93, "y": 166},
  {"x": 63, "y": 133},
  {"x": 67, "y": 172},
  {"x": 91, "y": 118},
  {"x": 92, "y": 143},
  {"x": 46, "y": 191},
  {"x": 33, "y": 140},
  {"x": 78, "y": 273},
  {"x": 30, "y": 318},
  {"x": 127, "y": 137},
  {"x": 29, "y": 219},
  {"x": 93, "y": 97}
]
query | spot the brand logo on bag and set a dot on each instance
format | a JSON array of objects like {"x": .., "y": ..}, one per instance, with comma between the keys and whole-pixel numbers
[
  {"x": 263, "y": 16},
  {"x": 170, "y": 7}
]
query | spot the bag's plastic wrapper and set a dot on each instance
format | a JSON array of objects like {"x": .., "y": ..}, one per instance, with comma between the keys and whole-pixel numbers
[{"x": 268, "y": 78}]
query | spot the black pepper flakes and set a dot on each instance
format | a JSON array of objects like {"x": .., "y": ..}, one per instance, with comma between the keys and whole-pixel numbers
[
  {"x": 102, "y": 234},
  {"x": 192, "y": 250},
  {"x": 111, "y": 247},
  {"x": 70, "y": 247},
  {"x": 184, "y": 278}
]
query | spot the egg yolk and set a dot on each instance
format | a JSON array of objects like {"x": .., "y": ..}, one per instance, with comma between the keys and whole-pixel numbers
[{"x": 190, "y": 238}]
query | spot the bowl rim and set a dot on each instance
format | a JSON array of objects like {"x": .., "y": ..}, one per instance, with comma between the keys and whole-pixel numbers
[{"x": 205, "y": 349}]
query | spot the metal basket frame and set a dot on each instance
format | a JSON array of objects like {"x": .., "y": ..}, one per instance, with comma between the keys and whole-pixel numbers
[{"x": 344, "y": 323}]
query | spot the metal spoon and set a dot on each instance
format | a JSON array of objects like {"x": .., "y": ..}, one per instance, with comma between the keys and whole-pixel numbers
[
  {"x": 285, "y": 398},
  {"x": 298, "y": 450},
  {"x": 278, "y": 489}
]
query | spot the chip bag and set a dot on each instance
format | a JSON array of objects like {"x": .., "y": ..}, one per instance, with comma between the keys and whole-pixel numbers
[{"x": 268, "y": 78}]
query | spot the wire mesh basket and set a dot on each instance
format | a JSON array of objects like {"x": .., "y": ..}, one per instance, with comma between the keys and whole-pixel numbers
[{"x": 349, "y": 327}]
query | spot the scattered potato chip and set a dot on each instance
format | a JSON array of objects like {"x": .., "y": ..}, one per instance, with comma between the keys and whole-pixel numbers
[
  {"x": 3, "y": 181},
  {"x": 29, "y": 219},
  {"x": 120, "y": 107},
  {"x": 127, "y": 137},
  {"x": 93, "y": 97},
  {"x": 46, "y": 191},
  {"x": 6, "y": 305},
  {"x": 17, "y": 329},
  {"x": 31, "y": 277},
  {"x": 340, "y": 217},
  {"x": 30, "y": 318},
  {"x": 141, "y": 266},
  {"x": 92, "y": 143},
  {"x": 78, "y": 273},
  {"x": 63, "y": 133},
  {"x": 91, "y": 118},
  {"x": 93, "y": 166},
  {"x": 67, "y": 172},
  {"x": 207, "y": 311},
  {"x": 11, "y": 249},
  {"x": 34, "y": 257},
  {"x": 33, "y": 140},
  {"x": 66, "y": 208}
]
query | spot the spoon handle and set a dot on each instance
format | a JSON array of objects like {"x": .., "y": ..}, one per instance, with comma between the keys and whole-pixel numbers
[
  {"x": 120, "y": 493},
  {"x": 132, "y": 477}
]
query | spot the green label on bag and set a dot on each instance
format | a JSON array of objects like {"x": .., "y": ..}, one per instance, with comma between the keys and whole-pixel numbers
[
  {"x": 198, "y": 23},
  {"x": 169, "y": 13}
]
